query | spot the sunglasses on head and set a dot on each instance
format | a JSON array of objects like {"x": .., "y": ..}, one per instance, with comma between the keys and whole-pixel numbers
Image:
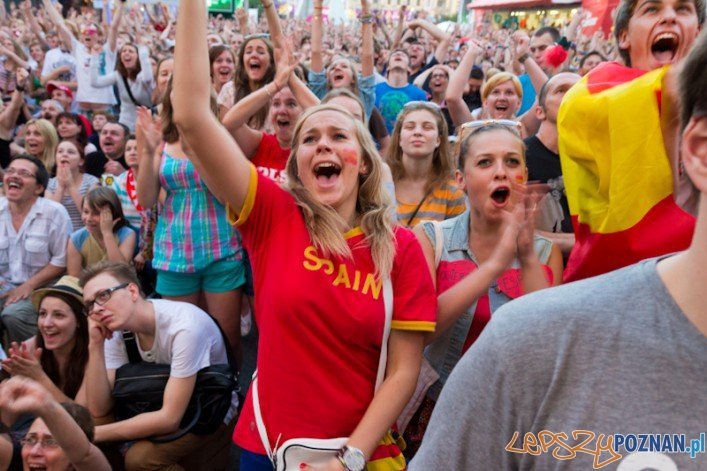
[{"x": 471, "y": 127}]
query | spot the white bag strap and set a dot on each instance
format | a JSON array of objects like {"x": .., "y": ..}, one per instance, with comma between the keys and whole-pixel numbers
[
  {"x": 439, "y": 241},
  {"x": 388, "y": 303},
  {"x": 259, "y": 418}
]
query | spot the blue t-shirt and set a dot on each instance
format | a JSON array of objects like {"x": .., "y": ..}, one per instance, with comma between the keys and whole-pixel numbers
[
  {"x": 528, "y": 94},
  {"x": 390, "y": 101}
]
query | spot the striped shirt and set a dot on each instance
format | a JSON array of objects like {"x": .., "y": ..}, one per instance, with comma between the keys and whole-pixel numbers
[
  {"x": 443, "y": 203},
  {"x": 87, "y": 181},
  {"x": 192, "y": 230}
]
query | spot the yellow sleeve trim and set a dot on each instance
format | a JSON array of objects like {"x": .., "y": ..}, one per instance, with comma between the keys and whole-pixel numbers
[
  {"x": 413, "y": 325},
  {"x": 237, "y": 219}
]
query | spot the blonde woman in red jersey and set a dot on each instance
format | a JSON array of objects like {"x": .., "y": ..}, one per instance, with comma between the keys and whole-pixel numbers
[{"x": 320, "y": 249}]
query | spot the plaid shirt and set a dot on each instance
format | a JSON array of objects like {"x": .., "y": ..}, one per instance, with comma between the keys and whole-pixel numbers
[
  {"x": 41, "y": 240},
  {"x": 192, "y": 229}
]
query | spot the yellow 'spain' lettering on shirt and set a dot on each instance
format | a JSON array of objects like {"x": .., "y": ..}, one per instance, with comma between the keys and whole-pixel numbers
[{"x": 313, "y": 262}]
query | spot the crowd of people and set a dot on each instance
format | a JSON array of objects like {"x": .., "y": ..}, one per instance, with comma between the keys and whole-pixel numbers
[{"x": 388, "y": 207}]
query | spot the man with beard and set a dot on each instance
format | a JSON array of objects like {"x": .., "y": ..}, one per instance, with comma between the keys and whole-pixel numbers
[
  {"x": 110, "y": 158},
  {"x": 34, "y": 232},
  {"x": 50, "y": 110},
  {"x": 627, "y": 189}
]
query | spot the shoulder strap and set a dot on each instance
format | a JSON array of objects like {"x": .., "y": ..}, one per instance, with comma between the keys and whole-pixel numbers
[
  {"x": 130, "y": 92},
  {"x": 131, "y": 347},
  {"x": 417, "y": 209},
  {"x": 388, "y": 303}
]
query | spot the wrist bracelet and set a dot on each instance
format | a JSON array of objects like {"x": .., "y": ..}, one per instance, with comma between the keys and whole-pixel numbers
[
  {"x": 523, "y": 57},
  {"x": 20, "y": 89},
  {"x": 265, "y": 7},
  {"x": 366, "y": 19},
  {"x": 268, "y": 91}
]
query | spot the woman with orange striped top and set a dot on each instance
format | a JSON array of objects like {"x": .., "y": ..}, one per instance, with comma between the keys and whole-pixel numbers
[{"x": 422, "y": 167}]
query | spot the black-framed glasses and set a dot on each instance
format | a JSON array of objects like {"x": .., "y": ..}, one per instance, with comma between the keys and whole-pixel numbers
[
  {"x": 43, "y": 442},
  {"x": 102, "y": 297},
  {"x": 20, "y": 172}
]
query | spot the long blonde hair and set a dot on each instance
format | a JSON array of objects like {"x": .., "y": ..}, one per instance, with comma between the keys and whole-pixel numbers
[
  {"x": 51, "y": 141},
  {"x": 324, "y": 224}
]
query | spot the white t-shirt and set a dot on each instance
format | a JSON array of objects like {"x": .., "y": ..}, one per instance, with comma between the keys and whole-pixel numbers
[
  {"x": 186, "y": 338},
  {"x": 85, "y": 92},
  {"x": 55, "y": 58}
]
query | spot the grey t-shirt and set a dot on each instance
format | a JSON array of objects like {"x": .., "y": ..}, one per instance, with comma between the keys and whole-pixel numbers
[{"x": 608, "y": 355}]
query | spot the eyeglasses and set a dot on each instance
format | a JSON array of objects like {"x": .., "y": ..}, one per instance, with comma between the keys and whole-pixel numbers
[
  {"x": 21, "y": 172},
  {"x": 102, "y": 297},
  {"x": 43, "y": 442},
  {"x": 434, "y": 76},
  {"x": 473, "y": 126}
]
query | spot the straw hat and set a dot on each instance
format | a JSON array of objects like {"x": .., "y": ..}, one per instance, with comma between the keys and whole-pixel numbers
[{"x": 68, "y": 285}]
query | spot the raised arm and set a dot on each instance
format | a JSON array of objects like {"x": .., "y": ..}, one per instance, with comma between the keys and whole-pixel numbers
[
  {"x": 458, "y": 109},
  {"x": 149, "y": 148},
  {"x": 399, "y": 28},
  {"x": 317, "y": 33},
  {"x": 26, "y": 8},
  {"x": 9, "y": 114},
  {"x": 58, "y": 21},
  {"x": 115, "y": 26},
  {"x": 227, "y": 172},
  {"x": 24, "y": 395},
  {"x": 145, "y": 74},
  {"x": 236, "y": 119},
  {"x": 442, "y": 38},
  {"x": 366, "y": 40},
  {"x": 273, "y": 20}
]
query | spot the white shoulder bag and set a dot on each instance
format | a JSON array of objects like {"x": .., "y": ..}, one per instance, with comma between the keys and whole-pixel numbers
[{"x": 317, "y": 451}]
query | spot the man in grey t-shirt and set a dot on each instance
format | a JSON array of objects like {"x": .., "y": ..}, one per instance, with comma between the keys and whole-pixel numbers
[{"x": 606, "y": 373}]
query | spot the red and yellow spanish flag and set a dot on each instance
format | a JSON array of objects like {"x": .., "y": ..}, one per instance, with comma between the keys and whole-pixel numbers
[{"x": 617, "y": 174}]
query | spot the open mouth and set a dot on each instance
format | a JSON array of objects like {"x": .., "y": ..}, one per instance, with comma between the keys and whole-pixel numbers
[
  {"x": 283, "y": 123},
  {"x": 326, "y": 171},
  {"x": 665, "y": 47},
  {"x": 13, "y": 185},
  {"x": 254, "y": 65},
  {"x": 501, "y": 195},
  {"x": 338, "y": 77}
]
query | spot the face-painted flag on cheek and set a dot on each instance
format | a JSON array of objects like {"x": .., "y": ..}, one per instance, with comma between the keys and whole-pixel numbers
[{"x": 618, "y": 177}]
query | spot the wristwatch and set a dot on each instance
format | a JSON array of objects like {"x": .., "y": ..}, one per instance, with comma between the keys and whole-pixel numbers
[{"x": 352, "y": 458}]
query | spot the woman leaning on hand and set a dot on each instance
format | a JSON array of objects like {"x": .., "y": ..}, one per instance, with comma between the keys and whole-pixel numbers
[{"x": 319, "y": 350}]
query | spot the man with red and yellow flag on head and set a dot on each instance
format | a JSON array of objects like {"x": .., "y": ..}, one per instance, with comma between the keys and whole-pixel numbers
[{"x": 618, "y": 142}]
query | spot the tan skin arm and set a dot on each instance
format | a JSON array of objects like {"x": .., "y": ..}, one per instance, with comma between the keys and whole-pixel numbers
[{"x": 226, "y": 169}]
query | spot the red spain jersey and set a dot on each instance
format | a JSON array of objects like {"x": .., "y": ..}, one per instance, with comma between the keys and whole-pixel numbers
[
  {"x": 270, "y": 159},
  {"x": 320, "y": 319}
]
